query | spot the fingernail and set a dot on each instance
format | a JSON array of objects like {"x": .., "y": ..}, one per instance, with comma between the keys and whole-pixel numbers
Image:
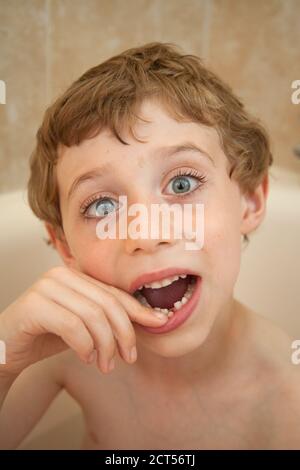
[
  {"x": 161, "y": 316},
  {"x": 133, "y": 354}
]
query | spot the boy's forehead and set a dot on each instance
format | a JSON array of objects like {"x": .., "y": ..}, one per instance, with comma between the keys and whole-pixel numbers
[
  {"x": 105, "y": 147},
  {"x": 161, "y": 137},
  {"x": 155, "y": 127}
]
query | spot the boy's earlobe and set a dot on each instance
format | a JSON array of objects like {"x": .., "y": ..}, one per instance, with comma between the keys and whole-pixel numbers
[
  {"x": 59, "y": 242},
  {"x": 254, "y": 206},
  {"x": 51, "y": 233}
]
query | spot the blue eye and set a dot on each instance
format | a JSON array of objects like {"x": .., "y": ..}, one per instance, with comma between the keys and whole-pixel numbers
[
  {"x": 186, "y": 182},
  {"x": 103, "y": 206}
]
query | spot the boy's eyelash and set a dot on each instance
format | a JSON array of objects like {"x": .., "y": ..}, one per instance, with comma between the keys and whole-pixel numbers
[
  {"x": 86, "y": 205},
  {"x": 181, "y": 172},
  {"x": 190, "y": 172}
]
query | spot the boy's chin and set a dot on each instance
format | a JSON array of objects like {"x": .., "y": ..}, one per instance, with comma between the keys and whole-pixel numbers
[{"x": 180, "y": 344}]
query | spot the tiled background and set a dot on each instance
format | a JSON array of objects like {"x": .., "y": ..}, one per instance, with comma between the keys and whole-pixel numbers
[{"x": 45, "y": 44}]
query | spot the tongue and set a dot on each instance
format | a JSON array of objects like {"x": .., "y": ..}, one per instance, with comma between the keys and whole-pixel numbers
[{"x": 165, "y": 297}]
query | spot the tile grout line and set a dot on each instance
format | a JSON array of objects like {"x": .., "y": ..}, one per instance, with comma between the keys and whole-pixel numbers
[
  {"x": 206, "y": 29},
  {"x": 48, "y": 50}
]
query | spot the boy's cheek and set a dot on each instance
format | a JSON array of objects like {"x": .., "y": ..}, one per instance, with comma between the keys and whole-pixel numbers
[
  {"x": 222, "y": 249},
  {"x": 96, "y": 259}
]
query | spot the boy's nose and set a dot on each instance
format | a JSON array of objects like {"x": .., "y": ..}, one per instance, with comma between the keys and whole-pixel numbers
[
  {"x": 149, "y": 237},
  {"x": 134, "y": 246},
  {"x": 153, "y": 230}
]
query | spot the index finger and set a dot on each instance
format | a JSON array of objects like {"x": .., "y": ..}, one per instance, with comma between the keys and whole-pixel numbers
[{"x": 136, "y": 311}]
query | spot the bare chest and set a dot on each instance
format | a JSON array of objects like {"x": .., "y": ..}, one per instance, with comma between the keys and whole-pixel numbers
[{"x": 120, "y": 414}]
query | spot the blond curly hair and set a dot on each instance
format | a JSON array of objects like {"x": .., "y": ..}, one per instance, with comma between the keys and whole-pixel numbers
[{"x": 109, "y": 95}]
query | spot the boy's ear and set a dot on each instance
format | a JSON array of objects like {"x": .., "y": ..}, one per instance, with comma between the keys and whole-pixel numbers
[
  {"x": 254, "y": 206},
  {"x": 59, "y": 242}
]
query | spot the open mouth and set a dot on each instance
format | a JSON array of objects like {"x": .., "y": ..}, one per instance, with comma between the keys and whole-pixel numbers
[{"x": 168, "y": 295}]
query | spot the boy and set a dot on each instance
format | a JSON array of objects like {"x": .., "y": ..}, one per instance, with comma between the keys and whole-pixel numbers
[{"x": 157, "y": 127}]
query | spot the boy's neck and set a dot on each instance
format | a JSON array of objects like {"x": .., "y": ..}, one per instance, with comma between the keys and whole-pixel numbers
[{"x": 198, "y": 366}]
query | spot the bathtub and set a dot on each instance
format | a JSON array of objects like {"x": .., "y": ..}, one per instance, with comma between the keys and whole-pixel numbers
[{"x": 268, "y": 282}]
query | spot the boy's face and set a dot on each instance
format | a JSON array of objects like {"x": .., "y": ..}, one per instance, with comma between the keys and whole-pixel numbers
[{"x": 141, "y": 173}]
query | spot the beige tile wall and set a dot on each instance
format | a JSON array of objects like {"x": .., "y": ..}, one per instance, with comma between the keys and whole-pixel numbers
[{"x": 45, "y": 44}]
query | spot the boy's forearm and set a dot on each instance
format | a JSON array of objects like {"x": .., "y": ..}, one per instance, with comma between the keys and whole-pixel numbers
[{"x": 26, "y": 398}]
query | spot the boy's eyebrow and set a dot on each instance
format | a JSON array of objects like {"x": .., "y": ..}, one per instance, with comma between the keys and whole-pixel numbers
[
  {"x": 164, "y": 152},
  {"x": 95, "y": 173}
]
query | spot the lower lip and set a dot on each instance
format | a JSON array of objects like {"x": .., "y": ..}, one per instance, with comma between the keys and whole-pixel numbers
[{"x": 181, "y": 315}]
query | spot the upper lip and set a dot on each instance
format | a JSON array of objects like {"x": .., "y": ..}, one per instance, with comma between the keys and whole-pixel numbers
[{"x": 147, "y": 278}]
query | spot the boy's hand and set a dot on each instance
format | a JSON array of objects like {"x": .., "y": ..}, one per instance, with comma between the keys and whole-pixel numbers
[{"x": 66, "y": 308}]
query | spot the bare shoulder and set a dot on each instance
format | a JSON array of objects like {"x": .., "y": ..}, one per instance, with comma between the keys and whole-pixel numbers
[
  {"x": 269, "y": 343},
  {"x": 285, "y": 408},
  {"x": 272, "y": 351}
]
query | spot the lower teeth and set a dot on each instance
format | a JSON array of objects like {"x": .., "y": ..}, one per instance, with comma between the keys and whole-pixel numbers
[{"x": 177, "y": 305}]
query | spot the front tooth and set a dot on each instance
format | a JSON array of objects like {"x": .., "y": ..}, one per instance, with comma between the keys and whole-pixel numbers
[
  {"x": 163, "y": 283},
  {"x": 149, "y": 285},
  {"x": 156, "y": 285},
  {"x": 168, "y": 281},
  {"x": 184, "y": 300},
  {"x": 183, "y": 276}
]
